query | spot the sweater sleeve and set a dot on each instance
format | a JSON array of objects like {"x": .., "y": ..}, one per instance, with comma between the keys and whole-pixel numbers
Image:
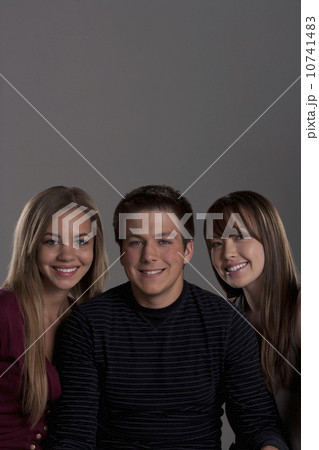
[
  {"x": 74, "y": 415},
  {"x": 250, "y": 408}
]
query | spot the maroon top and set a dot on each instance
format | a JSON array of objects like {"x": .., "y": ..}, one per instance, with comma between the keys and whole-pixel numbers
[{"x": 15, "y": 429}]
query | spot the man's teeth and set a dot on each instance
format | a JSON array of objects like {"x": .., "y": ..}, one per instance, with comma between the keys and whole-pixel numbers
[
  {"x": 152, "y": 272},
  {"x": 239, "y": 266},
  {"x": 66, "y": 270}
]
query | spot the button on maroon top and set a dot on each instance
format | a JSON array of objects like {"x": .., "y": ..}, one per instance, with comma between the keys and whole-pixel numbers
[{"x": 15, "y": 430}]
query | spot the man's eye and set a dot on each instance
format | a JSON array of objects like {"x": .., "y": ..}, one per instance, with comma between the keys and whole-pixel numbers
[
  {"x": 165, "y": 242},
  {"x": 135, "y": 243}
]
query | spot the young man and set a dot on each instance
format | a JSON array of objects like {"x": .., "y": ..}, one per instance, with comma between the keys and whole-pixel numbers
[{"x": 148, "y": 364}]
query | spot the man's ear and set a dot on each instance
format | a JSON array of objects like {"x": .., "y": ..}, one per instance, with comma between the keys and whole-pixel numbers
[{"x": 188, "y": 252}]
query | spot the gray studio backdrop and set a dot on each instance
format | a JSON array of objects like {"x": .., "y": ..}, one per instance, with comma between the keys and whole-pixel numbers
[{"x": 150, "y": 91}]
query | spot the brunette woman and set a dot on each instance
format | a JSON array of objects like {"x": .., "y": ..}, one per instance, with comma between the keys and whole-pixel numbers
[
  {"x": 253, "y": 263},
  {"x": 58, "y": 260}
]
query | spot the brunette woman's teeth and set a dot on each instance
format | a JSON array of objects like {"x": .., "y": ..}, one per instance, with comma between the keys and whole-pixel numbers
[{"x": 237, "y": 267}]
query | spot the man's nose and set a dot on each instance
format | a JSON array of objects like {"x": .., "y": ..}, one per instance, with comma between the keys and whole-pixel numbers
[{"x": 150, "y": 251}]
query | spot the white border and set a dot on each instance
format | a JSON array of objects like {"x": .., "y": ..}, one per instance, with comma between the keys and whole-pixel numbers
[{"x": 310, "y": 203}]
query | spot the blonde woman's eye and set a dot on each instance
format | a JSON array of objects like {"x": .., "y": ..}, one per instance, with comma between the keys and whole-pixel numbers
[
  {"x": 81, "y": 242},
  {"x": 51, "y": 242}
]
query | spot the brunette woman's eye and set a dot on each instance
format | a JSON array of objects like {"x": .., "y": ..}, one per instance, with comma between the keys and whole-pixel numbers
[{"x": 216, "y": 244}]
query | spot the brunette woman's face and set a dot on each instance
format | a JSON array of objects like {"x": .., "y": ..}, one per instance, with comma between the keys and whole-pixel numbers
[{"x": 238, "y": 261}]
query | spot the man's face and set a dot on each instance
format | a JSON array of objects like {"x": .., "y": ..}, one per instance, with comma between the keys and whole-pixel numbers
[{"x": 153, "y": 262}]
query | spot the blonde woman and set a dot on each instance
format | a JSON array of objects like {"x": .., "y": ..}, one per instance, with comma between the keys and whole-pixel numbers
[
  {"x": 58, "y": 257},
  {"x": 252, "y": 261}
]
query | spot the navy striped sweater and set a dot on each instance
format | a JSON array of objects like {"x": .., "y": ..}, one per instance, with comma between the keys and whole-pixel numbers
[{"x": 130, "y": 384}]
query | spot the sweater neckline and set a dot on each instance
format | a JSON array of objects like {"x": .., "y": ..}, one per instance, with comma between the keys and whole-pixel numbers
[{"x": 156, "y": 317}]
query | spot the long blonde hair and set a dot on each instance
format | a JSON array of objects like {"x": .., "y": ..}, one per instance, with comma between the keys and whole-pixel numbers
[
  {"x": 281, "y": 281},
  {"x": 25, "y": 282}
]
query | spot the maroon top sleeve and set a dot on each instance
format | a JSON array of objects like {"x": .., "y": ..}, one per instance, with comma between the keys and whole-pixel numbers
[{"x": 15, "y": 429}]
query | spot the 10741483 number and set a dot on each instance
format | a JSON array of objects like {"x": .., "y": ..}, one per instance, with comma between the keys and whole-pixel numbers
[{"x": 310, "y": 49}]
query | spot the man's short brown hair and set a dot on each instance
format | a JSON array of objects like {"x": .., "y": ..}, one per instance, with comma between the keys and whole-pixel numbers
[{"x": 152, "y": 198}]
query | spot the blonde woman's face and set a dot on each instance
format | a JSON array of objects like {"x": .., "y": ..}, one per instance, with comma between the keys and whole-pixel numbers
[
  {"x": 64, "y": 258},
  {"x": 238, "y": 261}
]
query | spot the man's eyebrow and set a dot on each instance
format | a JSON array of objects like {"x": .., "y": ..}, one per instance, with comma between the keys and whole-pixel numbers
[
  {"x": 164, "y": 235},
  {"x": 157, "y": 236},
  {"x": 133, "y": 235}
]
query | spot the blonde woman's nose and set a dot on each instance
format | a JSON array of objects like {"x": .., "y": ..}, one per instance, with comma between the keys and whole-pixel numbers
[{"x": 67, "y": 252}]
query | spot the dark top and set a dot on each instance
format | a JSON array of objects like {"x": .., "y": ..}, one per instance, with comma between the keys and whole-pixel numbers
[
  {"x": 287, "y": 398},
  {"x": 128, "y": 384},
  {"x": 15, "y": 430}
]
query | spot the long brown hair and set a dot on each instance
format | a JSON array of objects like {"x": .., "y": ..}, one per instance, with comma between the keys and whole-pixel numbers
[
  {"x": 25, "y": 282},
  {"x": 280, "y": 278}
]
